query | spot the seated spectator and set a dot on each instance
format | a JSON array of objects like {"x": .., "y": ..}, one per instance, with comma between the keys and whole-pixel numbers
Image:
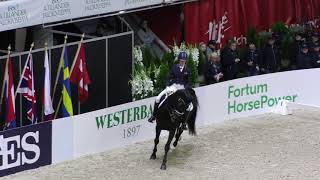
[
  {"x": 210, "y": 48},
  {"x": 252, "y": 60},
  {"x": 304, "y": 60},
  {"x": 230, "y": 61},
  {"x": 270, "y": 57},
  {"x": 213, "y": 70},
  {"x": 316, "y": 55},
  {"x": 314, "y": 39}
]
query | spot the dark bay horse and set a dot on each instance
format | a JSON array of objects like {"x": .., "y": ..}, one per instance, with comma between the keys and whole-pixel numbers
[{"x": 171, "y": 114}]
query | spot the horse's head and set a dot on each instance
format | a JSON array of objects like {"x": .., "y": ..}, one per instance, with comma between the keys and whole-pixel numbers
[{"x": 179, "y": 102}]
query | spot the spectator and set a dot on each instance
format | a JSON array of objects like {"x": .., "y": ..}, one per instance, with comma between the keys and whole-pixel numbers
[
  {"x": 230, "y": 61},
  {"x": 270, "y": 57},
  {"x": 295, "y": 50},
  {"x": 252, "y": 60},
  {"x": 213, "y": 71},
  {"x": 304, "y": 60},
  {"x": 210, "y": 48},
  {"x": 314, "y": 39},
  {"x": 316, "y": 55}
]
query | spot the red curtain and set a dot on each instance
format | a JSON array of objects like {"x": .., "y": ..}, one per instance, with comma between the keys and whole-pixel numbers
[
  {"x": 164, "y": 22},
  {"x": 242, "y": 14}
]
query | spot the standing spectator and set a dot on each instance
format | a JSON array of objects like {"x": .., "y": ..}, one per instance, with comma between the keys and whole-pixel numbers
[
  {"x": 295, "y": 50},
  {"x": 230, "y": 60},
  {"x": 316, "y": 55},
  {"x": 304, "y": 60},
  {"x": 210, "y": 48},
  {"x": 252, "y": 60},
  {"x": 270, "y": 57},
  {"x": 213, "y": 71}
]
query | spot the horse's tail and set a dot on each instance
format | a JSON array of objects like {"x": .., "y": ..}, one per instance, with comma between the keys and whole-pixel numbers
[{"x": 192, "y": 119}]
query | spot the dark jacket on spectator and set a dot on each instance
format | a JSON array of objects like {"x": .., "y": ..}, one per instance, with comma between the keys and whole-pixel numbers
[
  {"x": 254, "y": 56},
  {"x": 294, "y": 51},
  {"x": 211, "y": 70},
  {"x": 304, "y": 61},
  {"x": 315, "y": 59},
  {"x": 270, "y": 59},
  {"x": 229, "y": 65},
  {"x": 179, "y": 77}
]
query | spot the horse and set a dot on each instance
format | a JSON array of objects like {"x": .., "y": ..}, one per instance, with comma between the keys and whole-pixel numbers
[{"x": 169, "y": 117}]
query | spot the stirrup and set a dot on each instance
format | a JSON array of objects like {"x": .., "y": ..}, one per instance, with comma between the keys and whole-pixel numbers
[{"x": 151, "y": 119}]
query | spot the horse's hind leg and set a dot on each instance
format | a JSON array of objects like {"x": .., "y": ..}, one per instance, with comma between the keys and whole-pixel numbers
[
  {"x": 178, "y": 134},
  {"x": 156, "y": 141},
  {"x": 167, "y": 148}
]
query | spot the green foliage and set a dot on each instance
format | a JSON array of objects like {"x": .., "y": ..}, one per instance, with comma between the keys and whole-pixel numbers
[
  {"x": 168, "y": 58},
  {"x": 263, "y": 38},
  {"x": 161, "y": 80},
  {"x": 148, "y": 57},
  {"x": 252, "y": 35},
  {"x": 280, "y": 27},
  {"x": 194, "y": 71}
]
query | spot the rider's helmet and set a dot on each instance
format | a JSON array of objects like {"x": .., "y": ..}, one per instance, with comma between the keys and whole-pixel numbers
[{"x": 183, "y": 56}]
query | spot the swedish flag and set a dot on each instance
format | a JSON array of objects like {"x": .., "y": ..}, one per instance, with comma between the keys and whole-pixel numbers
[{"x": 67, "y": 109}]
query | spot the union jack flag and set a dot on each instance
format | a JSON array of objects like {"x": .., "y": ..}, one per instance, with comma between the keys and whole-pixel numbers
[{"x": 26, "y": 88}]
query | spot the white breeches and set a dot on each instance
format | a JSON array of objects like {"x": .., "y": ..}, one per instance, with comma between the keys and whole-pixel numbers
[{"x": 169, "y": 90}]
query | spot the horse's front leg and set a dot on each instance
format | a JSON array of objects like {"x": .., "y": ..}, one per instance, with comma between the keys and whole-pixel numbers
[
  {"x": 178, "y": 134},
  {"x": 167, "y": 148},
  {"x": 156, "y": 141}
]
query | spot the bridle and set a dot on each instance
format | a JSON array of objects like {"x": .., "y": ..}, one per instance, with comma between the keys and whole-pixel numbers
[{"x": 175, "y": 114}]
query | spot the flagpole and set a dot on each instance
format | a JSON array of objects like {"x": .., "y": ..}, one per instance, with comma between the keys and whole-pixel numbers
[
  {"x": 57, "y": 109},
  {"x": 59, "y": 68},
  {"x": 45, "y": 51},
  {"x": 72, "y": 67},
  {"x": 24, "y": 68},
  {"x": 5, "y": 74},
  {"x": 77, "y": 54}
]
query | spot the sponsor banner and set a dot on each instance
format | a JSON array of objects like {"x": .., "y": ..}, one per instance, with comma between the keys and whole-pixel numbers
[
  {"x": 25, "y": 148},
  {"x": 15, "y": 14},
  {"x": 94, "y": 7},
  {"x": 131, "y": 4},
  {"x": 256, "y": 95},
  {"x": 22, "y": 13},
  {"x": 62, "y": 129},
  {"x": 113, "y": 127},
  {"x": 126, "y": 124},
  {"x": 58, "y": 10}
]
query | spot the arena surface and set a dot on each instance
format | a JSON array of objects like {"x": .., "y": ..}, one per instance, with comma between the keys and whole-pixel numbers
[{"x": 263, "y": 147}]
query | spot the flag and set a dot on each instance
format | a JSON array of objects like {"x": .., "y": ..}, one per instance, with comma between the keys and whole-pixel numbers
[
  {"x": 10, "y": 116},
  {"x": 47, "y": 102},
  {"x": 26, "y": 88},
  {"x": 67, "y": 109},
  {"x": 79, "y": 74}
]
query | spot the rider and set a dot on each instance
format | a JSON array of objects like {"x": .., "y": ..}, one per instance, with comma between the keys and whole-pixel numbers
[{"x": 179, "y": 79}]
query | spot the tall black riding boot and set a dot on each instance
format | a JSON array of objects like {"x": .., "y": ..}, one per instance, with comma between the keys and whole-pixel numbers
[{"x": 153, "y": 116}]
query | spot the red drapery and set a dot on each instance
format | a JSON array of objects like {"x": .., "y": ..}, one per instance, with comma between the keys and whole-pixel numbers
[{"x": 242, "y": 14}]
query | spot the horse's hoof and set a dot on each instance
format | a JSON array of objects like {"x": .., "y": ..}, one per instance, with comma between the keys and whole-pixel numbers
[
  {"x": 163, "y": 167},
  {"x": 153, "y": 156},
  {"x": 175, "y": 144}
]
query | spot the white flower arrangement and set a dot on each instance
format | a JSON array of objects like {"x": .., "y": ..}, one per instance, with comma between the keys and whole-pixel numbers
[
  {"x": 193, "y": 51},
  {"x": 194, "y": 55},
  {"x": 137, "y": 54},
  {"x": 142, "y": 85}
]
